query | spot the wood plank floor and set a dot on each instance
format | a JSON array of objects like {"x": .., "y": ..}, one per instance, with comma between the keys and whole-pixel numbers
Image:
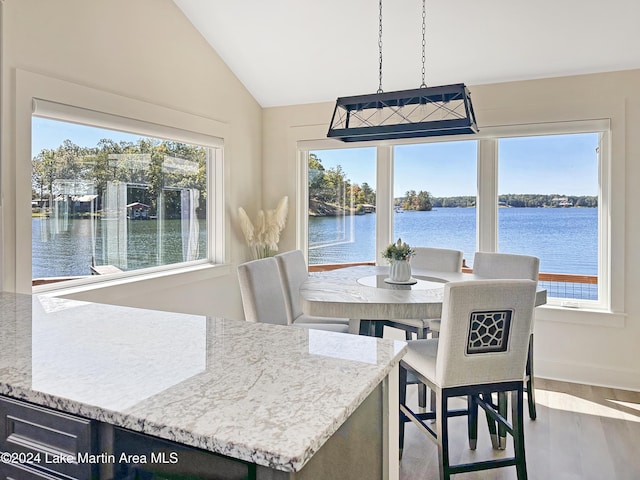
[{"x": 581, "y": 433}]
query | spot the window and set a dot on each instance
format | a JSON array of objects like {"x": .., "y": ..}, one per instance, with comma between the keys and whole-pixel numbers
[
  {"x": 434, "y": 198},
  {"x": 536, "y": 189},
  {"x": 113, "y": 195},
  {"x": 548, "y": 198},
  {"x": 342, "y": 205}
]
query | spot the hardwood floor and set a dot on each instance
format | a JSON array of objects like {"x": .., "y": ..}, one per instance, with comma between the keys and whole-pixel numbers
[{"x": 581, "y": 433}]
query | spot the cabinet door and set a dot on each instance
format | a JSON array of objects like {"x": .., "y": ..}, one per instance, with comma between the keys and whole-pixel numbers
[
  {"x": 23, "y": 472},
  {"x": 53, "y": 440}
]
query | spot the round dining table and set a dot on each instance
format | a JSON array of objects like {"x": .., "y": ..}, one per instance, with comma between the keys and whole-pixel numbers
[{"x": 367, "y": 293}]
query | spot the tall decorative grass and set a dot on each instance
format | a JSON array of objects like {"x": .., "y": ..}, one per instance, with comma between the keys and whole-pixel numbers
[{"x": 263, "y": 236}]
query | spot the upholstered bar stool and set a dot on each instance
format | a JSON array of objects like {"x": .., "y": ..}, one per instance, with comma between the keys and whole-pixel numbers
[
  {"x": 293, "y": 272},
  {"x": 436, "y": 259},
  {"x": 482, "y": 348},
  {"x": 429, "y": 258},
  {"x": 263, "y": 298}
]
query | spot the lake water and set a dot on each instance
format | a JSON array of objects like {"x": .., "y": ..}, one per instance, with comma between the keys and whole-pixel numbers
[
  {"x": 65, "y": 247},
  {"x": 565, "y": 239}
]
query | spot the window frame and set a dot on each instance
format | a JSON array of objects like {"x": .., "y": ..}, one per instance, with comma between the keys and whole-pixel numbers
[
  {"x": 609, "y": 279},
  {"x": 138, "y": 117}
]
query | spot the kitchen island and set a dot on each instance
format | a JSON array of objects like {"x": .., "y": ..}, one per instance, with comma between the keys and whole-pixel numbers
[{"x": 147, "y": 391}]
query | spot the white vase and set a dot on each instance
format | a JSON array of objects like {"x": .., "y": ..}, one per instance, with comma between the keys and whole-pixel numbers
[{"x": 400, "y": 271}]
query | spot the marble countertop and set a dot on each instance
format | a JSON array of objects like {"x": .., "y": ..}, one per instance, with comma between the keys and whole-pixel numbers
[{"x": 267, "y": 394}]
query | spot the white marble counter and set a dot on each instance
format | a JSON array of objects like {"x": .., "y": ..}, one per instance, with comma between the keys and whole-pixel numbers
[{"x": 266, "y": 394}]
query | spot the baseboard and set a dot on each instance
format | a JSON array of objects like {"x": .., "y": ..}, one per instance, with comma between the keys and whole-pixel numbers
[{"x": 626, "y": 379}]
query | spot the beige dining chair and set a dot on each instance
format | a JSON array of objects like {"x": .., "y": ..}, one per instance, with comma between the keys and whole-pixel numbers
[
  {"x": 293, "y": 272},
  {"x": 482, "y": 348},
  {"x": 428, "y": 258},
  {"x": 263, "y": 298},
  {"x": 508, "y": 265}
]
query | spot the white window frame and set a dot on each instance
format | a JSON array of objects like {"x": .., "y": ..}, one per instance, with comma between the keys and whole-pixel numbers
[
  {"x": 71, "y": 102},
  {"x": 609, "y": 278}
]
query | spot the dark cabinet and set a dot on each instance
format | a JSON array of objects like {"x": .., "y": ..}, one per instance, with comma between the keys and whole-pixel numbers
[{"x": 41, "y": 443}]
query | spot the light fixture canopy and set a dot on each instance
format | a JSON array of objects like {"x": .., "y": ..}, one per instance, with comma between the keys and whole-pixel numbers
[{"x": 421, "y": 112}]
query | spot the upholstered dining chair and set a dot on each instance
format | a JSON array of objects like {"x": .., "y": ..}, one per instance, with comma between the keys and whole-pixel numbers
[
  {"x": 293, "y": 272},
  {"x": 507, "y": 265},
  {"x": 482, "y": 348},
  {"x": 429, "y": 258},
  {"x": 263, "y": 298}
]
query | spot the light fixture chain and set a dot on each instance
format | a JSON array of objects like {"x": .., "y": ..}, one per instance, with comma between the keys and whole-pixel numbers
[
  {"x": 380, "y": 48},
  {"x": 424, "y": 41}
]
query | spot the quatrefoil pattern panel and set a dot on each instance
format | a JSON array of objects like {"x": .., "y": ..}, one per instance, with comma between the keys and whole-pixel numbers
[{"x": 489, "y": 331}]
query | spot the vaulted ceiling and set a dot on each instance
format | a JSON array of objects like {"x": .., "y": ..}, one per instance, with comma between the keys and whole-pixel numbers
[{"x": 302, "y": 51}]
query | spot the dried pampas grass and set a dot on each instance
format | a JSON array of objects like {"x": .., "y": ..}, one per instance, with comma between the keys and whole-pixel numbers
[{"x": 263, "y": 236}]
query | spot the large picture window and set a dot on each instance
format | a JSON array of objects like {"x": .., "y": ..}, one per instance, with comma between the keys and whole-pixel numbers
[
  {"x": 535, "y": 190},
  {"x": 111, "y": 200}
]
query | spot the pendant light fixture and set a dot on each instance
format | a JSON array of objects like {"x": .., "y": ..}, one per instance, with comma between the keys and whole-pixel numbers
[{"x": 422, "y": 112}]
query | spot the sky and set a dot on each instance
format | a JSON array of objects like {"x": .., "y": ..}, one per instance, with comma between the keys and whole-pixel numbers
[
  {"x": 552, "y": 164},
  {"x": 50, "y": 134}
]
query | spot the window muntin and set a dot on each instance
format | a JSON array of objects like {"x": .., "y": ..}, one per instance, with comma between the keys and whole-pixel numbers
[
  {"x": 342, "y": 205},
  {"x": 114, "y": 201},
  {"x": 435, "y": 186},
  {"x": 549, "y": 207}
]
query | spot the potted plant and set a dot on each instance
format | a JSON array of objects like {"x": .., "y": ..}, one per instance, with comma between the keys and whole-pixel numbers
[{"x": 399, "y": 254}]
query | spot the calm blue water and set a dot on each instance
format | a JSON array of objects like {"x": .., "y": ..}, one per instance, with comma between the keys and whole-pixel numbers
[
  {"x": 62, "y": 248},
  {"x": 565, "y": 239}
]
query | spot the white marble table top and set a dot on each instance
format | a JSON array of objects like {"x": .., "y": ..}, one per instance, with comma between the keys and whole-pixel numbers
[
  {"x": 267, "y": 394},
  {"x": 362, "y": 293}
]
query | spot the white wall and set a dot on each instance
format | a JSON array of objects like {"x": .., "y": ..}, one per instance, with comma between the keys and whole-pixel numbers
[
  {"x": 592, "y": 347},
  {"x": 148, "y": 51}
]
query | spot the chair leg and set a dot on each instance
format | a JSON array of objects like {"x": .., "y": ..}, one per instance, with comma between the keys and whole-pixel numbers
[
  {"x": 502, "y": 431},
  {"x": 517, "y": 413},
  {"x": 442, "y": 432},
  {"x": 531, "y": 390},
  {"x": 491, "y": 423},
  {"x": 472, "y": 421},
  {"x": 432, "y": 401},
  {"x": 402, "y": 401},
  {"x": 422, "y": 388},
  {"x": 422, "y": 395}
]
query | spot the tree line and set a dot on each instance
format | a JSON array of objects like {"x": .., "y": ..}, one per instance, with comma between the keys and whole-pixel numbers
[
  {"x": 332, "y": 187},
  {"x": 155, "y": 167}
]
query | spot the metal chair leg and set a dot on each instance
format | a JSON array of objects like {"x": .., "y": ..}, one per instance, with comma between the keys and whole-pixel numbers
[
  {"x": 472, "y": 421},
  {"x": 402, "y": 401},
  {"x": 502, "y": 431},
  {"x": 531, "y": 389},
  {"x": 491, "y": 423},
  {"x": 517, "y": 414}
]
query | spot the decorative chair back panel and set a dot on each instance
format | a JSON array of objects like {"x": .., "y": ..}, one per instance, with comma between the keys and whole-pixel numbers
[
  {"x": 489, "y": 331},
  {"x": 484, "y": 335}
]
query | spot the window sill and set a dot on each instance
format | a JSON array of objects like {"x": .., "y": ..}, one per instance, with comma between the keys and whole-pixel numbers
[
  {"x": 581, "y": 316},
  {"x": 200, "y": 272}
]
